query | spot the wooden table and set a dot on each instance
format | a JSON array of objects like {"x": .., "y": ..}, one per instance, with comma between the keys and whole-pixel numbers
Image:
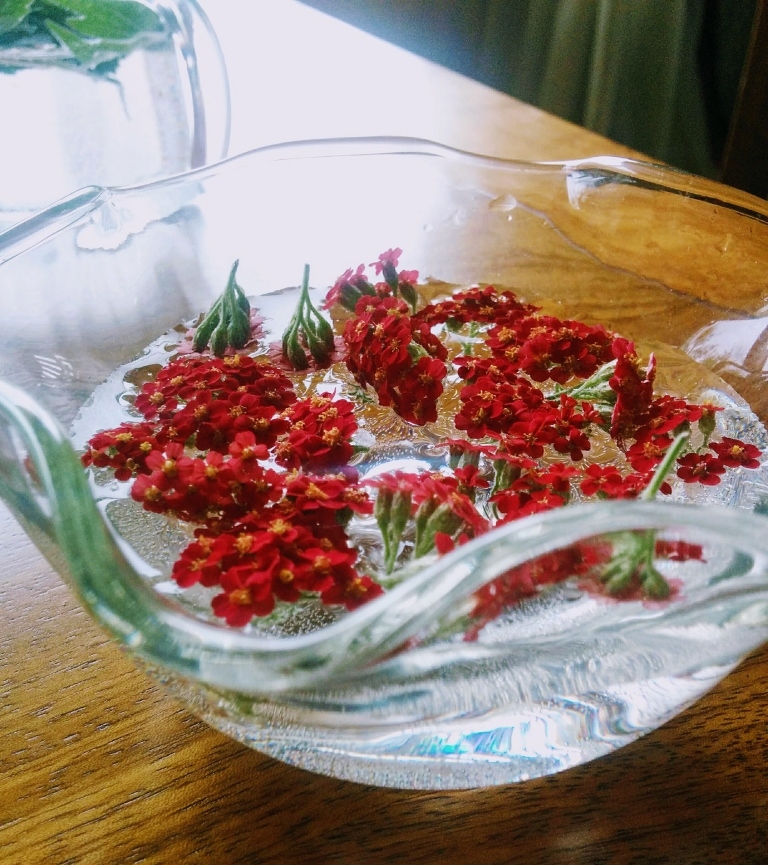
[{"x": 97, "y": 765}]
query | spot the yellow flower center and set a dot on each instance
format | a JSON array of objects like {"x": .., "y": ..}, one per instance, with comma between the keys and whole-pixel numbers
[
  {"x": 240, "y": 597},
  {"x": 314, "y": 492}
]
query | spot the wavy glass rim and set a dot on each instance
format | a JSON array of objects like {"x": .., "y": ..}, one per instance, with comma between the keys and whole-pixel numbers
[
  {"x": 76, "y": 206},
  {"x": 59, "y": 503}
]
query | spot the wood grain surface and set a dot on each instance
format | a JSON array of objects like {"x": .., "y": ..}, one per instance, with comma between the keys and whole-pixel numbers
[{"x": 98, "y": 766}]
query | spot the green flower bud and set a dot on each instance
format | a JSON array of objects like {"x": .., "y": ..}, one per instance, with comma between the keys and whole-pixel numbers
[
  {"x": 390, "y": 275},
  {"x": 294, "y": 352},
  {"x": 323, "y": 330},
  {"x": 409, "y": 295},
  {"x": 312, "y": 327},
  {"x": 349, "y": 296},
  {"x": 382, "y": 509},
  {"x": 443, "y": 520},
  {"x": 317, "y": 348},
  {"x": 227, "y": 323},
  {"x": 206, "y": 327},
  {"x": 400, "y": 513},
  {"x": 707, "y": 423},
  {"x": 219, "y": 339}
]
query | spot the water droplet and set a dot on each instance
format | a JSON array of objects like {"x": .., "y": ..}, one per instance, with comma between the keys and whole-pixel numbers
[
  {"x": 724, "y": 243},
  {"x": 142, "y": 374},
  {"x": 503, "y": 203}
]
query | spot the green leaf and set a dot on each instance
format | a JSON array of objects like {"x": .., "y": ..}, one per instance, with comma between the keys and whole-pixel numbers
[
  {"x": 92, "y": 52},
  {"x": 109, "y": 19},
  {"x": 85, "y": 53},
  {"x": 96, "y": 34},
  {"x": 12, "y": 13}
]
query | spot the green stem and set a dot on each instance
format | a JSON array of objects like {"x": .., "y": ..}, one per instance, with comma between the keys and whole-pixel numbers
[
  {"x": 594, "y": 389},
  {"x": 664, "y": 467},
  {"x": 634, "y": 552},
  {"x": 468, "y": 348}
]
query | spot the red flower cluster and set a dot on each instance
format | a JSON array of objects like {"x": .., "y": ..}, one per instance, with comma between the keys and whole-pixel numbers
[
  {"x": 124, "y": 449},
  {"x": 214, "y": 490},
  {"x": 266, "y": 477},
  {"x": 634, "y": 391},
  {"x": 352, "y": 285},
  {"x": 546, "y": 348},
  {"x": 482, "y": 305},
  {"x": 533, "y": 490},
  {"x": 398, "y": 356},
  {"x": 526, "y": 580},
  {"x": 202, "y": 402},
  {"x": 200, "y": 456},
  {"x": 207, "y": 401},
  {"x": 652, "y": 421},
  {"x": 585, "y": 561},
  {"x": 320, "y": 432},
  {"x": 500, "y": 401},
  {"x": 708, "y": 468},
  {"x": 293, "y": 545},
  {"x": 442, "y": 507}
]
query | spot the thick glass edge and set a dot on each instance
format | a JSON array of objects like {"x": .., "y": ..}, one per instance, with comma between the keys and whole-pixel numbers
[
  {"x": 617, "y": 168},
  {"x": 55, "y": 501},
  {"x": 46, "y": 224},
  {"x": 603, "y": 168}
]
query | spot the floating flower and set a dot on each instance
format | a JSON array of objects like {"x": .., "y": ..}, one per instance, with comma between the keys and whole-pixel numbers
[
  {"x": 700, "y": 468},
  {"x": 734, "y": 453}
]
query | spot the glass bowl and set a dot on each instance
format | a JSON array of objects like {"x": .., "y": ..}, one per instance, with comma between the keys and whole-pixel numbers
[
  {"x": 159, "y": 109},
  {"x": 389, "y": 694}
]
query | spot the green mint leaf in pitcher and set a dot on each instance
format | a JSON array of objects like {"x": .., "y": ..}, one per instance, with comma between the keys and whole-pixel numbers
[{"x": 93, "y": 35}]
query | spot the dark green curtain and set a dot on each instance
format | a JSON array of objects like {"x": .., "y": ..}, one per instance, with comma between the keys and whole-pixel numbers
[
  {"x": 657, "y": 75},
  {"x": 624, "y": 68}
]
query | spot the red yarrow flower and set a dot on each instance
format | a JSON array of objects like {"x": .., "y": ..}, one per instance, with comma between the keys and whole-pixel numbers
[
  {"x": 700, "y": 468},
  {"x": 734, "y": 453},
  {"x": 601, "y": 480},
  {"x": 124, "y": 449}
]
